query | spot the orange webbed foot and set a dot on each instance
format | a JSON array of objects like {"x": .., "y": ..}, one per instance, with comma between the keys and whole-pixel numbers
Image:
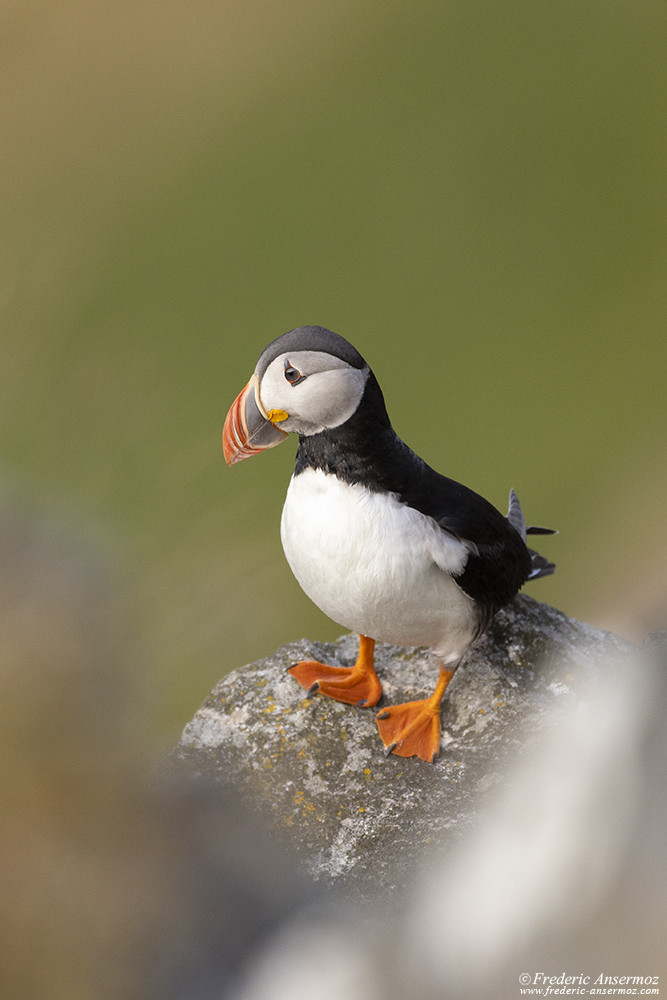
[
  {"x": 413, "y": 728},
  {"x": 410, "y": 729},
  {"x": 357, "y": 685}
]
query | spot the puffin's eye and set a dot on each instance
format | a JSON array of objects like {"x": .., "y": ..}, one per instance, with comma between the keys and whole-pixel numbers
[{"x": 293, "y": 375}]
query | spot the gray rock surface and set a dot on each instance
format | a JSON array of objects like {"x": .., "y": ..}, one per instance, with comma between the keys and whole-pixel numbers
[{"x": 316, "y": 768}]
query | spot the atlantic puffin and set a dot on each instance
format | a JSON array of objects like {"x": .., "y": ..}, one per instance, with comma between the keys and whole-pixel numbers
[{"x": 384, "y": 545}]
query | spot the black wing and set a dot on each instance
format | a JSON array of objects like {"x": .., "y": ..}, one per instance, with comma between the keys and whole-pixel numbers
[{"x": 499, "y": 562}]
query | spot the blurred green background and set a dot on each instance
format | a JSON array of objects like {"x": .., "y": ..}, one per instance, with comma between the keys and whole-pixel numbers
[{"x": 471, "y": 193}]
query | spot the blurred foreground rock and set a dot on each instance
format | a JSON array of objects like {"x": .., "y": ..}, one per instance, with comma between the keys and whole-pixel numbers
[{"x": 316, "y": 768}]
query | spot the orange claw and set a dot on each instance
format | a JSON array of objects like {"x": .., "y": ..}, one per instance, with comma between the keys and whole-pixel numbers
[
  {"x": 414, "y": 727},
  {"x": 357, "y": 685}
]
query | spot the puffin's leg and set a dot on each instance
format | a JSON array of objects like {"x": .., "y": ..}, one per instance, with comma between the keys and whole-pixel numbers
[
  {"x": 357, "y": 685},
  {"x": 414, "y": 727}
]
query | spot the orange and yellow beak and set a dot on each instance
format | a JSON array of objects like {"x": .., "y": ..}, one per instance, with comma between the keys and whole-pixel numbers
[{"x": 248, "y": 428}]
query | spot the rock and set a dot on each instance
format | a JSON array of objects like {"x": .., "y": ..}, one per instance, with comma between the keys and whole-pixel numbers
[
  {"x": 316, "y": 768},
  {"x": 563, "y": 875}
]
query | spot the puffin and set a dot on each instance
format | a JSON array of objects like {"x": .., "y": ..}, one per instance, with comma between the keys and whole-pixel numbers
[{"x": 382, "y": 543}]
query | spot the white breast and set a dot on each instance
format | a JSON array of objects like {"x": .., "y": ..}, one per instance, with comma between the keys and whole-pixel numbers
[{"x": 376, "y": 566}]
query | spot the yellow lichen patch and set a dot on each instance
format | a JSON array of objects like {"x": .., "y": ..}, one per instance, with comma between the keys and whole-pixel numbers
[
  {"x": 269, "y": 708},
  {"x": 307, "y": 807},
  {"x": 367, "y": 773},
  {"x": 361, "y": 809}
]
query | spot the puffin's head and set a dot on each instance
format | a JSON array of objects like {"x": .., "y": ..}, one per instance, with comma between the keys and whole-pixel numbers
[{"x": 306, "y": 381}]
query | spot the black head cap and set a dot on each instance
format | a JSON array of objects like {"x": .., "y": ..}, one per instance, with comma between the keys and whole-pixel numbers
[{"x": 310, "y": 338}]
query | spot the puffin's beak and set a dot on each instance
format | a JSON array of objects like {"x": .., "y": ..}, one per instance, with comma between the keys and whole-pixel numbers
[{"x": 248, "y": 428}]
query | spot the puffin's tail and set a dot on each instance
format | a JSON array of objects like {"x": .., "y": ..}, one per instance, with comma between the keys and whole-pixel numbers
[{"x": 539, "y": 565}]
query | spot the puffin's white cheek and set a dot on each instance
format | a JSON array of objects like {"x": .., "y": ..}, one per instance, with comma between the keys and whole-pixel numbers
[{"x": 327, "y": 399}]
